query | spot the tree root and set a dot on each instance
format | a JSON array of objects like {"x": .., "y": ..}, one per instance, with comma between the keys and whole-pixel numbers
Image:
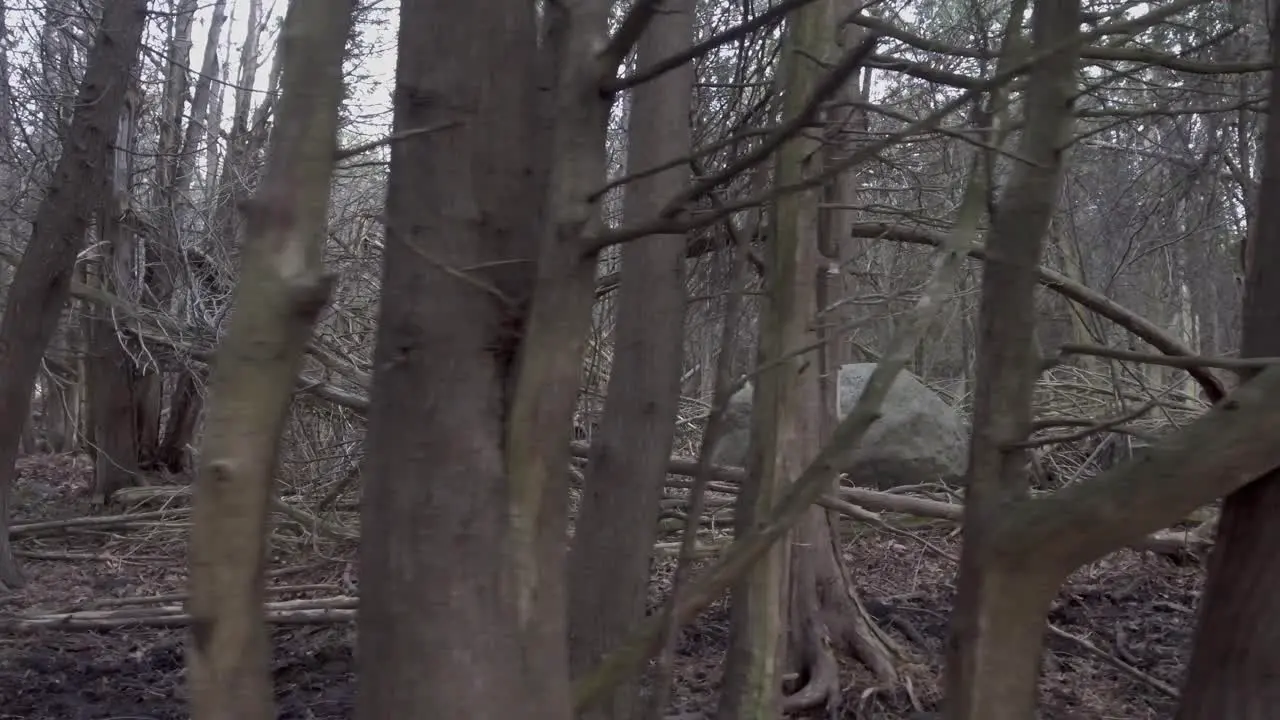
[{"x": 822, "y": 686}]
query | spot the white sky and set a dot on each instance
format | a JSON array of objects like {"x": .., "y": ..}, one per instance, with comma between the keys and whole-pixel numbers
[{"x": 371, "y": 101}]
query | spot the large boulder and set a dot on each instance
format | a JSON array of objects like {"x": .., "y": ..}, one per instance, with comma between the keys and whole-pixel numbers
[{"x": 919, "y": 438}]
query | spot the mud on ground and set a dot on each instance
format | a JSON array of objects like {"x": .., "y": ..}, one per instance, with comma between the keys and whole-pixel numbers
[{"x": 1120, "y": 630}]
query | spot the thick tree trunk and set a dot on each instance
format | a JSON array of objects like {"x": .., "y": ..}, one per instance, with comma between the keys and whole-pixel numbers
[
  {"x": 439, "y": 631},
  {"x": 42, "y": 282},
  {"x": 174, "y": 171},
  {"x": 1236, "y": 656},
  {"x": 282, "y": 289},
  {"x": 609, "y": 564}
]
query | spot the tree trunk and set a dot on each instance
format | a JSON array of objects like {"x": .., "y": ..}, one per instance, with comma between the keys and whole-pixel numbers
[
  {"x": 185, "y": 403},
  {"x": 42, "y": 281},
  {"x": 821, "y": 608},
  {"x": 282, "y": 289},
  {"x": 997, "y": 630},
  {"x": 439, "y": 633},
  {"x": 609, "y": 564},
  {"x": 164, "y": 253},
  {"x": 827, "y": 614},
  {"x": 787, "y": 407},
  {"x": 1236, "y": 656},
  {"x": 549, "y": 368},
  {"x": 115, "y": 391}
]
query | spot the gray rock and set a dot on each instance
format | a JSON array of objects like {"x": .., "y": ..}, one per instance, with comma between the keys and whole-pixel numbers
[{"x": 919, "y": 438}]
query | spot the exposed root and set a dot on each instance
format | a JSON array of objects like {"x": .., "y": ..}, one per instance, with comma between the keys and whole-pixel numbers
[
  {"x": 870, "y": 645},
  {"x": 822, "y": 687}
]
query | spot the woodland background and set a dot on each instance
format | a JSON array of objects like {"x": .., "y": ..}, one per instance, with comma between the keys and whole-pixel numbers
[{"x": 392, "y": 293}]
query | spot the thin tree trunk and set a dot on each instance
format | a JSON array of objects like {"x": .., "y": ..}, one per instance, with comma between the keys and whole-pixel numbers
[
  {"x": 185, "y": 403},
  {"x": 115, "y": 393},
  {"x": 786, "y": 408},
  {"x": 609, "y": 564},
  {"x": 42, "y": 282},
  {"x": 998, "y": 624},
  {"x": 1236, "y": 656},
  {"x": 826, "y": 613},
  {"x": 549, "y": 368},
  {"x": 164, "y": 254},
  {"x": 282, "y": 289}
]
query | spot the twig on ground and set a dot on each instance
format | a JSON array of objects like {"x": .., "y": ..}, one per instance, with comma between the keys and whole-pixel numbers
[{"x": 1115, "y": 662}]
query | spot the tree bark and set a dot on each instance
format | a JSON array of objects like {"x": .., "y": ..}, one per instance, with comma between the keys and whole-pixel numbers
[
  {"x": 617, "y": 521},
  {"x": 1235, "y": 659},
  {"x": 185, "y": 403},
  {"x": 42, "y": 281},
  {"x": 439, "y": 631},
  {"x": 549, "y": 365},
  {"x": 787, "y": 410},
  {"x": 116, "y": 395},
  {"x": 827, "y": 614},
  {"x": 164, "y": 253},
  {"x": 998, "y": 623},
  {"x": 282, "y": 289}
]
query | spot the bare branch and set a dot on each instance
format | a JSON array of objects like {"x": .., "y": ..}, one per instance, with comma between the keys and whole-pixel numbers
[
  {"x": 770, "y": 17},
  {"x": 628, "y": 34}
]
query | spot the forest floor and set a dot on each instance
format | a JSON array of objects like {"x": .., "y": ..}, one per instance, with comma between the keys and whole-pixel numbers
[{"x": 92, "y": 643}]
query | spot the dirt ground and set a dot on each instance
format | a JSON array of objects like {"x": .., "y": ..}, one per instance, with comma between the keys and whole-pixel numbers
[{"x": 1119, "y": 635}]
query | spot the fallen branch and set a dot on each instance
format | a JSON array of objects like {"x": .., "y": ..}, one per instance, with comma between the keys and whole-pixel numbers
[
  {"x": 1184, "y": 362},
  {"x": 298, "y": 515},
  {"x": 105, "y": 522},
  {"x": 182, "y": 597},
  {"x": 1124, "y": 667},
  {"x": 1170, "y": 543},
  {"x": 340, "y": 608}
]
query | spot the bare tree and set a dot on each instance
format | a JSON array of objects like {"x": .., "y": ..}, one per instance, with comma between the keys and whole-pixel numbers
[
  {"x": 984, "y": 632},
  {"x": 282, "y": 289},
  {"x": 41, "y": 283},
  {"x": 609, "y": 563}
]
